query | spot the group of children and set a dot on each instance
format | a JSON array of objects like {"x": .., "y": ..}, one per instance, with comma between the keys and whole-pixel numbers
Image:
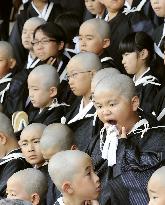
[{"x": 83, "y": 122}]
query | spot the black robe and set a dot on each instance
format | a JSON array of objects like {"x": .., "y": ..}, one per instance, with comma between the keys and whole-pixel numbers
[
  {"x": 82, "y": 128},
  {"x": 8, "y": 169},
  {"x": 137, "y": 158},
  {"x": 159, "y": 105},
  {"x": 20, "y": 52},
  {"x": 47, "y": 116},
  {"x": 147, "y": 93},
  {"x": 107, "y": 61},
  {"x": 122, "y": 25}
]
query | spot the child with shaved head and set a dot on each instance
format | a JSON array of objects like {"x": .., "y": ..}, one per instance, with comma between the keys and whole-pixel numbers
[
  {"x": 28, "y": 184},
  {"x": 94, "y": 36},
  {"x": 156, "y": 187},
  {"x": 7, "y": 65},
  {"x": 73, "y": 174},
  {"x": 43, "y": 84},
  {"x": 11, "y": 159},
  {"x": 80, "y": 71},
  {"x": 14, "y": 202},
  {"x": 30, "y": 144},
  {"x": 130, "y": 142},
  {"x": 55, "y": 138}
]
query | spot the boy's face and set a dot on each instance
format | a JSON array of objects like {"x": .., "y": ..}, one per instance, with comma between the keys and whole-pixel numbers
[
  {"x": 79, "y": 78},
  {"x": 40, "y": 96},
  {"x": 86, "y": 183},
  {"x": 114, "y": 108},
  {"x": 30, "y": 146},
  {"x": 113, "y": 5},
  {"x": 130, "y": 62},
  {"x": 156, "y": 191},
  {"x": 16, "y": 190},
  {"x": 90, "y": 40},
  {"x": 158, "y": 7},
  {"x": 94, "y": 6},
  {"x": 5, "y": 64},
  {"x": 27, "y": 34},
  {"x": 45, "y": 47}
]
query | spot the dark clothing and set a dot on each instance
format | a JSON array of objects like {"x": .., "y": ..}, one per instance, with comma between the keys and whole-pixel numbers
[
  {"x": 107, "y": 61},
  {"x": 159, "y": 105},
  {"x": 122, "y": 25},
  {"x": 8, "y": 168},
  {"x": 82, "y": 128},
  {"x": 147, "y": 91},
  {"x": 47, "y": 116}
]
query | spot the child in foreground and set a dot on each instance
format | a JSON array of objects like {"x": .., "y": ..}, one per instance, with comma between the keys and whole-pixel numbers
[{"x": 73, "y": 174}]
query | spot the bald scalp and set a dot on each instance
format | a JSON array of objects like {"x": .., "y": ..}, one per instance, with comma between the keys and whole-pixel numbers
[
  {"x": 36, "y": 21},
  {"x": 7, "y": 49},
  {"x": 57, "y": 136},
  {"x": 6, "y": 126},
  {"x": 90, "y": 61},
  {"x": 122, "y": 84},
  {"x": 34, "y": 127},
  {"x": 64, "y": 165},
  {"x": 159, "y": 176},
  {"x": 47, "y": 75},
  {"x": 101, "y": 74},
  {"x": 100, "y": 26},
  {"x": 34, "y": 181}
]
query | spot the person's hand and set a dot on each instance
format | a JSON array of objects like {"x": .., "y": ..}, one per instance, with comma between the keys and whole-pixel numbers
[
  {"x": 51, "y": 61},
  {"x": 91, "y": 202},
  {"x": 123, "y": 133}
]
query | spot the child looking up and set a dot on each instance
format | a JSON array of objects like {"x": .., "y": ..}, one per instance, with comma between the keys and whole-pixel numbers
[
  {"x": 72, "y": 172},
  {"x": 137, "y": 51}
]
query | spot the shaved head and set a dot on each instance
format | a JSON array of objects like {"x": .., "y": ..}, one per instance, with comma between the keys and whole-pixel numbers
[
  {"x": 99, "y": 25},
  {"x": 7, "y": 49},
  {"x": 33, "y": 181},
  {"x": 35, "y": 22},
  {"x": 6, "y": 126},
  {"x": 47, "y": 75},
  {"x": 101, "y": 74},
  {"x": 55, "y": 138},
  {"x": 64, "y": 165},
  {"x": 34, "y": 127},
  {"x": 122, "y": 84},
  {"x": 159, "y": 176},
  {"x": 88, "y": 60}
]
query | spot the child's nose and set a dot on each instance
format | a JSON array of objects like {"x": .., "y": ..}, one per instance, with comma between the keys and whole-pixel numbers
[{"x": 30, "y": 147}]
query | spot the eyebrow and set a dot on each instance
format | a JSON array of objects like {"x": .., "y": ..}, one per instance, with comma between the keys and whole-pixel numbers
[
  {"x": 35, "y": 138},
  {"x": 87, "y": 168},
  {"x": 152, "y": 191}
]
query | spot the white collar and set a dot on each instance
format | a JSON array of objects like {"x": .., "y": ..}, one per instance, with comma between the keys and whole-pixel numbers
[{"x": 128, "y": 8}]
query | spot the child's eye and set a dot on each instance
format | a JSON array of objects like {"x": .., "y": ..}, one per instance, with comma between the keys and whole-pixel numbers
[{"x": 37, "y": 141}]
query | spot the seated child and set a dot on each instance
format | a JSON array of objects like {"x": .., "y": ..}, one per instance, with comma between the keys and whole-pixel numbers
[
  {"x": 7, "y": 65},
  {"x": 137, "y": 50},
  {"x": 95, "y": 8},
  {"x": 94, "y": 36},
  {"x": 27, "y": 37},
  {"x": 43, "y": 84},
  {"x": 29, "y": 143},
  {"x": 156, "y": 187},
  {"x": 14, "y": 202},
  {"x": 159, "y": 9},
  {"x": 72, "y": 172},
  {"x": 159, "y": 101},
  {"x": 130, "y": 142},
  {"x": 11, "y": 159},
  {"x": 28, "y": 184},
  {"x": 55, "y": 138},
  {"x": 80, "y": 71}
]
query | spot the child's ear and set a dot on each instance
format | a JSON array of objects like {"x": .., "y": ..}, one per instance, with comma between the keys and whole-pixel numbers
[
  {"x": 144, "y": 54},
  {"x": 3, "y": 138},
  {"x": 61, "y": 45},
  {"x": 35, "y": 199},
  {"x": 67, "y": 187},
  {"x": 135, "y": 103},
  {"x": 12, "y": 63},
  {"x": 106, "y": 43},
  {"x": 53, "y": 91}
]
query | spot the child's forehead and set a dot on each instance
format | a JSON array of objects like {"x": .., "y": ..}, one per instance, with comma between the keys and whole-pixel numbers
[
  {"x": 89, "y": 28},
  {"x": 30, "y": 134}
]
